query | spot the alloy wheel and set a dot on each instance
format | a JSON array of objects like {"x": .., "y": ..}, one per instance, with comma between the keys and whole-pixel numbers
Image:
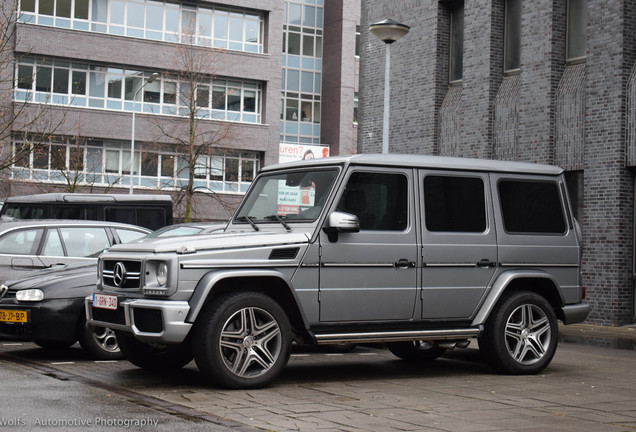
[{"x": 251, "y": 342}]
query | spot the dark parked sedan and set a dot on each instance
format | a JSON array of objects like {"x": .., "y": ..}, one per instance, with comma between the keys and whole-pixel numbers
[{"x": 47, "y": 306}]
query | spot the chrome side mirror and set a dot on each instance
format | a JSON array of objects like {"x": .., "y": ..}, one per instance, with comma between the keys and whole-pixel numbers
[{"x": 340, "y": 222}]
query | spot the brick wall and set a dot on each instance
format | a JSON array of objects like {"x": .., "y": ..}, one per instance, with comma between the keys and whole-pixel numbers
[{"x": 526, "y": 116}]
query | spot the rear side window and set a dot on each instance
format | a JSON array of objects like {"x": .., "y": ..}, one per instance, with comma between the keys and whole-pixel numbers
[
  {"x": 120, "y": 214},
  {"x": 84, "y": 241},
  {"x": 74, "y": 212},
  {"x": 22, "y": 242},
  {"x": 454, "y": 204},
  {"x": 22, "y": 211},
  {"x": 530, "y": 207},
  {"x": 151, "y": 218}
]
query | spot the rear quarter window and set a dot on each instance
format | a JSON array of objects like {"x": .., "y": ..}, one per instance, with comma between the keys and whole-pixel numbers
[
  {"x": 21, "y": 242},
  {"x": 531, "y": 207}
]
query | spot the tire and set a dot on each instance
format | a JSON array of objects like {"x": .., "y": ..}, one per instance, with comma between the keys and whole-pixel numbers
[
  {"x": 521, "y": 335},
  {"x": 155, "y": 357},
  {"x": 53, "y": 345},
  {"x": 415, "y": 350},
  {"x": 243, "y": 340},
  {"x": 99, "y": 342},
  {"x": 340, "y": 348}
]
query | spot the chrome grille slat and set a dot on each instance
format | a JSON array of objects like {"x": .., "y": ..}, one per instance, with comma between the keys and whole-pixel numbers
[{"x": 121, "y": 274}]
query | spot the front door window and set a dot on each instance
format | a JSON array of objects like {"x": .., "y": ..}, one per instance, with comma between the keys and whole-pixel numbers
[{"x": 371, "y": 274}]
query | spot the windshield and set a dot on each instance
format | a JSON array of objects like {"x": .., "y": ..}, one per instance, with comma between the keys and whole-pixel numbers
[{"x": 292, "y": 196}]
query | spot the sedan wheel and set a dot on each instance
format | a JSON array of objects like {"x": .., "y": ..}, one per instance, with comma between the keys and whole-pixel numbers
[{"x": 100, "y": 343}]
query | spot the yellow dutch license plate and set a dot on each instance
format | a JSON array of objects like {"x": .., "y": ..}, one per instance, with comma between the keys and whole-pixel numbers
[{"x": 14, "y": 316}]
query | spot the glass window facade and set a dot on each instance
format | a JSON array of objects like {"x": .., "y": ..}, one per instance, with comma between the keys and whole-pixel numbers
[
  {"x": 171, "y": 22},
  {"x": 107, "y": 163},
  {"x": 113, "y": 88}
]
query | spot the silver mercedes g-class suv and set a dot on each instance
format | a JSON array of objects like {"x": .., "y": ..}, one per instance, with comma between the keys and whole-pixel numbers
[{"x": 420, "y": 253}]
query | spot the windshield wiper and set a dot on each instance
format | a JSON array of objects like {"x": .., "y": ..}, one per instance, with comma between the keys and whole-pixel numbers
[
  {"x": 249, "y": 220},
  {"x": 279, "y": 219}
]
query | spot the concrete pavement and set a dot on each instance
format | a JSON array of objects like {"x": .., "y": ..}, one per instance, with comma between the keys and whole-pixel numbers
[
  {"x": 585, "y": 388},
  {"x": 623, "y": 337}
]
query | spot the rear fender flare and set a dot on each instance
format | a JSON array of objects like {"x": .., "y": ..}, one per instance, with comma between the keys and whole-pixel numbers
[{"x": 502, "y": 283}]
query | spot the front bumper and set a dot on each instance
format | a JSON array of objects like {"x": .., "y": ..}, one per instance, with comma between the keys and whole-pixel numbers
[
  {"x": 150, "y": 321},
  {"x": 53, "y": 320}
]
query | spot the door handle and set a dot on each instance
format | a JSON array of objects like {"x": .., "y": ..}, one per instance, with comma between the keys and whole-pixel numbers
[
  {"x": 486, "y": 263},
  {"x": 404, "y": 264}
]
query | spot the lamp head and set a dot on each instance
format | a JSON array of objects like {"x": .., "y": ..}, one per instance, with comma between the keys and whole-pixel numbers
[
  {"x": 388, "y": 30},
  {"x": 152, "y": 77}
]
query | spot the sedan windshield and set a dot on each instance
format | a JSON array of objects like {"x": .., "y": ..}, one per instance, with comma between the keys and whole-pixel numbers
[{"x": 290, "y": 197}]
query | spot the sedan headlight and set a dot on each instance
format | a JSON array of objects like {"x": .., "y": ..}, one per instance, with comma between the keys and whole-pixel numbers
[
  {"x": 32, "y": 295},
  {"x": 162, "y": 274}
]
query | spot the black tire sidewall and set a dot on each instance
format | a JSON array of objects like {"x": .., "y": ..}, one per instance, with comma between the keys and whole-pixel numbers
[
  {"x": 493, "y": 341},
  {"x": 207, "y": 334},
  {"x": 408, "y": 351}
]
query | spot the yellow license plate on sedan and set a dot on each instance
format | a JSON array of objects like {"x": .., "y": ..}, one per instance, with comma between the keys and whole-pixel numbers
[{"x": 14, "y": 316}]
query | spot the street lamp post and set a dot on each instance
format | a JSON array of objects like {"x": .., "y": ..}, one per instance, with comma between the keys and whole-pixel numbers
[
  {"x": 150, "y": 79},
  {"x": 388, "y": 31}
]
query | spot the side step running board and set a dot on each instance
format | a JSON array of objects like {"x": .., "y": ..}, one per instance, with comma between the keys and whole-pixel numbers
[{"x": 397, "y": 336}]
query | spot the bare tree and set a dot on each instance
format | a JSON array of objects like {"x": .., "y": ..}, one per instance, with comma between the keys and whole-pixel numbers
[
  {"x": 71, "y": 163},
  {"x": 198, "y": 136},
  {"x": 33, "y": 123}
]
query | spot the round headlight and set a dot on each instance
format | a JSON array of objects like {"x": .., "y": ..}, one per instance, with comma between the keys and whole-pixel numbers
[
  {"x": 29, "y": 295},
  {"x": 162, "y": 273}
]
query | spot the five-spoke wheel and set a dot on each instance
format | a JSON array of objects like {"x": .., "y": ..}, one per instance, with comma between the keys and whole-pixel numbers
[
  {"x": 528, "y": 334},
  {"x": 520, "y": 337},
  {"x": 250, "y": 342},
  {"x": 243, "y": 340}
]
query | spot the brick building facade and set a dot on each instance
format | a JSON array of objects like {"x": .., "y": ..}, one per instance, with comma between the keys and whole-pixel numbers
[{"x": 569, "y": 100}]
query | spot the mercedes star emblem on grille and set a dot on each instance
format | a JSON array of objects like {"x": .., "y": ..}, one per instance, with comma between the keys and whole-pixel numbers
[
  {"x": 119, "y": 274},
  {"x": 3, "y": 290}
]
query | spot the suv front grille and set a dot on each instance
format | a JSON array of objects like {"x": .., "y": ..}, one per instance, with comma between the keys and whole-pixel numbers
[{"x": 121, "y": 274}]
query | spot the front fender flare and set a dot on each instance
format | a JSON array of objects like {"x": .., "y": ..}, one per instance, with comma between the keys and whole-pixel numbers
[
  {"x": 499, "y": 287},
  {"x": 207, "y": 283}
]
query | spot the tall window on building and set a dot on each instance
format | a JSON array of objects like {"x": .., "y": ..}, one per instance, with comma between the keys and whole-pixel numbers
[
  {"x": 355, "y": 107},
  {"x": 301, "y": 78},
  {"x": 512, "y": 36},
  {"x": 576, "y": 30},
  {"x": 456, "y": 42}
]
